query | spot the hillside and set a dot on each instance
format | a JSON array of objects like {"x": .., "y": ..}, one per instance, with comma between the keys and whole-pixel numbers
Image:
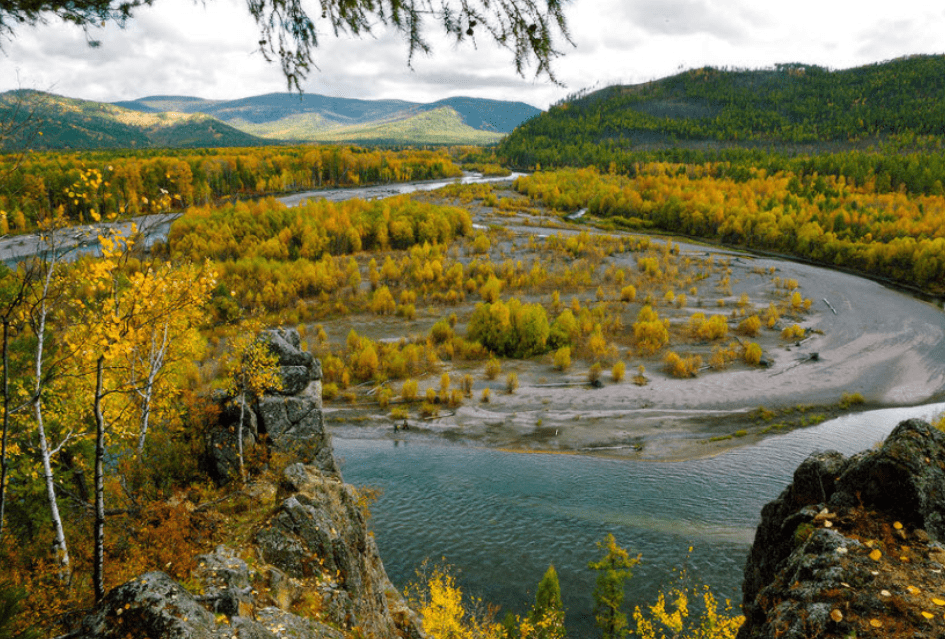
[
  {"x": 57, "y": 122},
  {"x": 308, "y": 117},
  {"x": 790, "y": 105},
  {"x": 439, "y": 126}
]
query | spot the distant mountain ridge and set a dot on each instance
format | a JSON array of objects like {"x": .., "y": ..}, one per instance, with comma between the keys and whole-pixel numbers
[
  {"x": 44, "y": 121},
  {"x": 185, "y": 121},
  {"x": 310, "y": 116}
]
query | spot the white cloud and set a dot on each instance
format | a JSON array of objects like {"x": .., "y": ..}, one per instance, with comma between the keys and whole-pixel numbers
[{"x": 184, "y": 48}]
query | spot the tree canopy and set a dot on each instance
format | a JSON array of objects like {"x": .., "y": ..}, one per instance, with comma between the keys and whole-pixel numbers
[{"x": 290, "y": 30}]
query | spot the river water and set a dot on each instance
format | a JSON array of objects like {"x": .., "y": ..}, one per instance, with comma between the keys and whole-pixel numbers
[{"x": 501, "y": 518}]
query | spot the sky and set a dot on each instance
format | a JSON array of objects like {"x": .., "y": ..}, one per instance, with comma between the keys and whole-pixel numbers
[{"x": 208, "y": 50}]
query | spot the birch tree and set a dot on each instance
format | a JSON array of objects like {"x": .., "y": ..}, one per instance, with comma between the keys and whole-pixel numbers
[
  {"x": 128, "y": 311},
  {"x": 41, "y": 303},
  {"x": 252, "y": 369},
  {"x": 13, "y": 289}
]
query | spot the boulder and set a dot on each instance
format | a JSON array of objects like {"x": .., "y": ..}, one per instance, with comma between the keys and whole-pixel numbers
[
  {"x": 286, "y": 345},
  {"x": 319, "y": 535},
  {"x": 157, "y": 607},
  {"x": 295, "y": 425},
  {"x": 153, "y": 605},
  {"x": 293, "y": 379},
  {"x": 851, "y": 545},
  {"x": 905, "y": 478},
  {"x": 226, "y": 583},
  {"x": 222, "y": 456}
]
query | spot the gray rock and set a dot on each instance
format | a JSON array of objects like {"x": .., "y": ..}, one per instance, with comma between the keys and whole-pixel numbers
[
  {"x": 153, "y": 605},
  {"x": 294, "y": 379},
  {"x": 226, "y": 582},
  {"x": 793, "y": 564},
  {"x": 285, "y": 344},
  {"x": 289, "y": 626},
  {"x": 230, "y": 413},
  {"x": 320, "y": 533},
  {"x": 222, "y": 452},
  {"x": 295, "y": 425},
  {"x": 905, "y": 478}
]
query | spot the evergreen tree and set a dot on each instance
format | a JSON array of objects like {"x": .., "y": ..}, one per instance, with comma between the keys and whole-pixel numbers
[
  {"x": 613, "y": 570},
  {"x": 548, "y": 613}
]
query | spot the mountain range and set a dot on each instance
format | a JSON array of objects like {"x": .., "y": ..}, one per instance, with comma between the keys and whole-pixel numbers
[{"x": 60, "y": 122}]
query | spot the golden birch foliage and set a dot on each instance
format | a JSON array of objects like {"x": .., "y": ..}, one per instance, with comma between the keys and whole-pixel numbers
[
  {"x": 670, "y": 616},
  {"x": 649, "y": 332},
  {"x": 444, "y": 613},
  {"x": 251, "y": 367},
  {"x": 142, "y": 319}
]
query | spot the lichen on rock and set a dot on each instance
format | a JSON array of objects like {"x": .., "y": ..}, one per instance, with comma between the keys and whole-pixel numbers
[{"x": 854, "y": 545}]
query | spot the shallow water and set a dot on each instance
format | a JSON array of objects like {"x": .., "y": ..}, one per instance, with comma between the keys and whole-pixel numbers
[
  {"x": 500, "y": 518},
  {"x": 388, "y": 190}
]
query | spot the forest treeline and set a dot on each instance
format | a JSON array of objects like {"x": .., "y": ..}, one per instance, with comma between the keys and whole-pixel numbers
[
  {"x": 792, "y": 104},
  {"x": 270, "y": 256},
  {"x": 895, "y": 235},
  {"x": 80, "y": 187}
]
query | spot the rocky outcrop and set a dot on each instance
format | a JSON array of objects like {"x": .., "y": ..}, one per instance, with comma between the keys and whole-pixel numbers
[
  {"x": 157, "y": 607},
  {"x": 314, "y": 573},
  {"x": 288, "y": 419},
  {"x": 318, "y": 537},
  {"x": 853, "y": 546}
]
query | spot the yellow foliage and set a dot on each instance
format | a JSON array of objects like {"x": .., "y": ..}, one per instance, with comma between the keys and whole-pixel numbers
[
  {"x": 670, "y": 617},
  {"x": 794, "y": 331},
  {"x": 753, "y": 354},
  {"x": 649, "y": 332},
  {"x": 562, "y": 358},
  {"x": 445, "y": 615},
  {"x": 678, "y": 366},
  {"x": 713, "y": 328},
  {"x": 618, "y": 371},
  {"x": 750, "y": 325}
]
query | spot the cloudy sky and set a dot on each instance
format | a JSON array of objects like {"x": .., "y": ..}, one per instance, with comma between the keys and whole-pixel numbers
[{"x": 183, "y": 47}]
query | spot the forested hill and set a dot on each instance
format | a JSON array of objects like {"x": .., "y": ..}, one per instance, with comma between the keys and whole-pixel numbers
[
  {"x": 42, "y": 121},
  {"x": 707, "y": 108},
  {"x": 478, "y": 113}
]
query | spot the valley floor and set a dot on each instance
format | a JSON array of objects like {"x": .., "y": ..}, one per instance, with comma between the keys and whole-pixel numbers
[{"x": 865, "y": 339}]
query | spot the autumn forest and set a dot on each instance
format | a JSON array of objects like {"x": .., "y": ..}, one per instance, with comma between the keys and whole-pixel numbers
[{"x": 418, "y": 304}]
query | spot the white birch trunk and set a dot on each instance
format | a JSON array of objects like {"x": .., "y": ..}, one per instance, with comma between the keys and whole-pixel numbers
[{"x": 62, "y": 549}]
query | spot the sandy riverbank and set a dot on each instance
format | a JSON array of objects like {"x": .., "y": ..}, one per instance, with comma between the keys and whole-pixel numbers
[{"x": 869, "y": 339}]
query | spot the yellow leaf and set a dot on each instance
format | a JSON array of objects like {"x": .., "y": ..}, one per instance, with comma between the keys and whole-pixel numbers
[
  {"x": 938, "y": 602},
  {"x": 912, "y": 590},
  {"x": 928, "y": 615},
  {"x": 875, "y": 555},
  {"x": 876, "y": 623},
  {"x": 897, "y": 525},
  {"x": 836, "y": 615}
]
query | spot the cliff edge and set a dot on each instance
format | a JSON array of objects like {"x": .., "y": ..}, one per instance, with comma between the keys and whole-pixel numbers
[
  {"x": 853, "y": 546},
  {"x": 310, "y": 569}
]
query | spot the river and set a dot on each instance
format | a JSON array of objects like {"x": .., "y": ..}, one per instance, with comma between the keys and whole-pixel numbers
[
  {"x": 501, "y": 518},
  {"x": 82, "y": 239}
]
